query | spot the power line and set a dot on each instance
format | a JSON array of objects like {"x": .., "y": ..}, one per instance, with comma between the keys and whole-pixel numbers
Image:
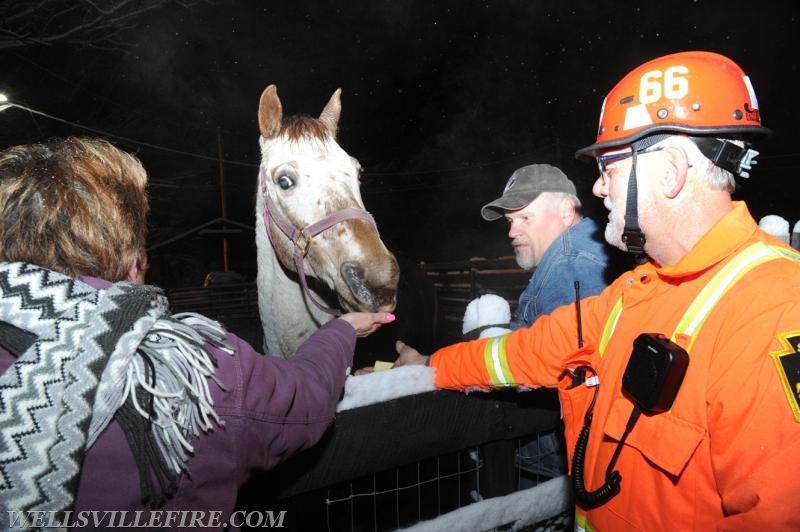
[
  {"x": 128, "y": 139},
  {"x": 464, "y": 168}
]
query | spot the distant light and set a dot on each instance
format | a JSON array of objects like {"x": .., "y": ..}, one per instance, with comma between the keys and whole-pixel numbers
[{"x": 4, "y": 99}]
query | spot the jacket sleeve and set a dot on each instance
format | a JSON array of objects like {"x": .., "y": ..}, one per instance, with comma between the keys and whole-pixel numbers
[
  {"x": 534, "y": 356},
  {"x": 754, "y": 420},
  {"x": 285, "y": 405}
]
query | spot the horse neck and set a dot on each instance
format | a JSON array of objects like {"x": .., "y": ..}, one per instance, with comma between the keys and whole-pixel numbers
[{"x": 286, "y": 318}]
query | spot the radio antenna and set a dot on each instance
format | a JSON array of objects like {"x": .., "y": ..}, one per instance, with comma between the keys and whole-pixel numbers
[{"x": 578, "y": 313}]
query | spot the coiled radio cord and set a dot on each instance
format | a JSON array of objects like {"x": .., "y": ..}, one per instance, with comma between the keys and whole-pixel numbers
[{"x": 603, "y": 494}]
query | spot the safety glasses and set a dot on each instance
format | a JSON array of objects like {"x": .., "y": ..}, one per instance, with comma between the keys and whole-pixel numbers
[{"x": 604, "y": 160}]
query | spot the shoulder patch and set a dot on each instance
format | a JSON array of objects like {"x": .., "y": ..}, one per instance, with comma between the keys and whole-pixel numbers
[{"x": 787, "y": 360}]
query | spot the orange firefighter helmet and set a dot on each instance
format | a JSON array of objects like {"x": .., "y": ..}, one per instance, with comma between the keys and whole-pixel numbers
[{"x": 697, "y": 93}]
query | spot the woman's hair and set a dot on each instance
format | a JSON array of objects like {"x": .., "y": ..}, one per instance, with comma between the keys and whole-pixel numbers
[{"x": 75, "y": 206}]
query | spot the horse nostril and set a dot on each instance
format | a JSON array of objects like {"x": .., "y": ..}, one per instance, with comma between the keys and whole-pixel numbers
[
  {"x": 373, "y": 297},
  {"x": 385, "y": 298},
  {"x": 354, "y": 277}
]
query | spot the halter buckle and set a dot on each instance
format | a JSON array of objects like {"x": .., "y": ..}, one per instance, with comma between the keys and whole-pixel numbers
[{"x": 302, "y": 243}]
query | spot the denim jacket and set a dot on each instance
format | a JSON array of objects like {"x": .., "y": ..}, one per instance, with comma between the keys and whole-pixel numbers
[{"x": 579, "y": 254}]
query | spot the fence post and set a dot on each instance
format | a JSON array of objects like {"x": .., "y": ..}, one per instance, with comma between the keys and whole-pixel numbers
[
  {"x": 473, "y": 282},
  {"x": 498, "y": 474}
]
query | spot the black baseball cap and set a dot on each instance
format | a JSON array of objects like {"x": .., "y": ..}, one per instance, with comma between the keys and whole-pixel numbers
[{"x": 524, "y": 186}]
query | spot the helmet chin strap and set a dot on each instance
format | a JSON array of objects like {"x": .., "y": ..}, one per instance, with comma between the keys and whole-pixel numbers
[{"x": 632, "y": 235}]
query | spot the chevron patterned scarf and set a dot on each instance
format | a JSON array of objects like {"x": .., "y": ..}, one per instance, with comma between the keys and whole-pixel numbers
[{"x": 85, "y": 357}]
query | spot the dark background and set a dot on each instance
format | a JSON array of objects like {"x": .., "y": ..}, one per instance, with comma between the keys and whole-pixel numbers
[{"x": 441, "y": 100}]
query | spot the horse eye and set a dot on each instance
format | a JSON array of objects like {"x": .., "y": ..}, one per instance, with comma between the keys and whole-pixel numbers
[{"x": 285, "y": 182}]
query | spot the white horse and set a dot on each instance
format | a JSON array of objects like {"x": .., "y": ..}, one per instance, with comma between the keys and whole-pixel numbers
[{"x": 310, "y": 221}]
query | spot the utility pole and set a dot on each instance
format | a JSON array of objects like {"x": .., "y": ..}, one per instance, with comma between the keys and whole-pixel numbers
[{"x": 222, "y": 200}]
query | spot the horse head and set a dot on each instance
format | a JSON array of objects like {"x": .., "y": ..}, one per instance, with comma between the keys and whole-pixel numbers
[{"x": 314, "y": 214}]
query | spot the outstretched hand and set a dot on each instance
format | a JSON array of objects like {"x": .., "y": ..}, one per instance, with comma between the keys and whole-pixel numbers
[
  {"x": 408, "y": 355},
  {"x": 366, "y": 323}
]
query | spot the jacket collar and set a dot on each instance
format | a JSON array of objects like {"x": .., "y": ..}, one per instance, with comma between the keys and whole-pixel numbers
[{"x": 724, "y": 239}]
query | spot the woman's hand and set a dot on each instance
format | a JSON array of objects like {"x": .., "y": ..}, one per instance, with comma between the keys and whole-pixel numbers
[{"x": 366, "y": 323}]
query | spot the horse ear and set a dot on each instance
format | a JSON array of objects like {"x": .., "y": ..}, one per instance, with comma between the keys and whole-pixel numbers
[
  {"x": 270, "y": 112},
  {"x": 330, "y": 115}
]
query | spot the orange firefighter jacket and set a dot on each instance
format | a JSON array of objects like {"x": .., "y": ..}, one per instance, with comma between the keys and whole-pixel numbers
[{"x": 726, "y": 456}]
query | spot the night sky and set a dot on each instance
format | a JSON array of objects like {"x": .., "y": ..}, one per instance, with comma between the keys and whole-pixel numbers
[{"x": 441, "y": 102}]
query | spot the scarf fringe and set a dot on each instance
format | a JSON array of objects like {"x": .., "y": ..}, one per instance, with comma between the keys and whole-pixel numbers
[{"x": 173, "y": 368}]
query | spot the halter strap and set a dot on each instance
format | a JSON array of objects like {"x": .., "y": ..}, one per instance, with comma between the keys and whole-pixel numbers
[{"x": 301, "y": 238}]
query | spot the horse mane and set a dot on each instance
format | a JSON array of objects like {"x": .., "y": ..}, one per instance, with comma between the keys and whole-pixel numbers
[{"x": 295, "y": 127}]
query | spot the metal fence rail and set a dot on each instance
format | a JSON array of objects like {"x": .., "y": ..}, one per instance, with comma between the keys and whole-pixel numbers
[
  {"x": 223, "y": 301},
  {"x": 393, "y": 463},
  {"x": 457, "y": 283},
  {"x": 235, "y": 305}
]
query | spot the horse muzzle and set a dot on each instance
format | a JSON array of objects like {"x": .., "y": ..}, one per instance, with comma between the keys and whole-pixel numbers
[{"x": 369, "y": 298}]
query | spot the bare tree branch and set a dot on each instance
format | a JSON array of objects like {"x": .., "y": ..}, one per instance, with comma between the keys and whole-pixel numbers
[{"x": 90, "y": 23}]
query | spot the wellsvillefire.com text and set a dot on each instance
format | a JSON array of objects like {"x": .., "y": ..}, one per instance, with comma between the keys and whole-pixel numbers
[{"x": 140, "y": 519}]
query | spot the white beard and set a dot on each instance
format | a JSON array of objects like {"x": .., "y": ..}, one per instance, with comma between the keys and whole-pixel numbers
[
  {"x": 526, "y": 261},
  {"x": 615, "y": 226}
]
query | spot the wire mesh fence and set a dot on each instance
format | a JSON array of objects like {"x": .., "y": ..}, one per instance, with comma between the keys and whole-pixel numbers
[{"x": 416, "y": 493}]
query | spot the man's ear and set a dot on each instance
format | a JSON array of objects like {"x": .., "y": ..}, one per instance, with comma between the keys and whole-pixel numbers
[
  {"x": 675, "y": 171},
  {"x": 566, "y": 210}
]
